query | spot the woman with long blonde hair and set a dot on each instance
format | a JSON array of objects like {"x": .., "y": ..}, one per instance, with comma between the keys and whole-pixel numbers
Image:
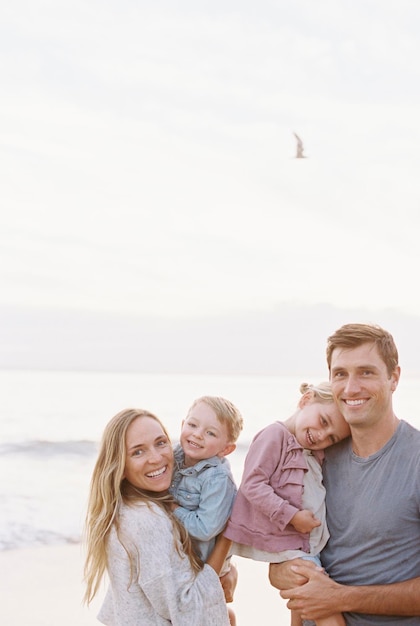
[{"x": 132, "y": 536}]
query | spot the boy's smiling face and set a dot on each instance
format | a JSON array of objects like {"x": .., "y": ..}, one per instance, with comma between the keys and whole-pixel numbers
[{"x": 203, "y": 435}]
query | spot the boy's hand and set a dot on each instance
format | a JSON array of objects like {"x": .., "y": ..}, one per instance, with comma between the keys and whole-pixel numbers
[{"x": 305, "y": 521}]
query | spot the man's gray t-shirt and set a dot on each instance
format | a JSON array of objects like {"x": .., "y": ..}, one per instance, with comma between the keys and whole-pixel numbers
[{"x": 373, "y": 515}]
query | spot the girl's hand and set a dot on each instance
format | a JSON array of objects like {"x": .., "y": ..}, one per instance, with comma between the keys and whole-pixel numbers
[{"x": 305, "y": 521}]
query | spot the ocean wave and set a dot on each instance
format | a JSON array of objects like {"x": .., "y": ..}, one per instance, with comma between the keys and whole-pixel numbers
[
  {"x": 26, "y": 536},
  {"x": 81, "y": 447},
  {"x": 44, "y": 448},
  {"x": 45, "y": 503},
  {"x": 242, "y": 447}
]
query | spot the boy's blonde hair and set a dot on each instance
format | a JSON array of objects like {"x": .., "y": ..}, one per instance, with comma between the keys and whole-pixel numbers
[{"x": 226, "y": 413}]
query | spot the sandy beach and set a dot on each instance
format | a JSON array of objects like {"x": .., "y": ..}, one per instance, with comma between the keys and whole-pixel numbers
[{"x": 43, "y": 587}]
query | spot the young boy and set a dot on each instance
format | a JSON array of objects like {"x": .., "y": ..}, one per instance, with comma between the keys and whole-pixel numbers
[{"x": 202, "y": 483}]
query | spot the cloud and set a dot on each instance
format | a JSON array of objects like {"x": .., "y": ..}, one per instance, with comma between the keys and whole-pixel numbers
[{"x": 148, "y": 155}]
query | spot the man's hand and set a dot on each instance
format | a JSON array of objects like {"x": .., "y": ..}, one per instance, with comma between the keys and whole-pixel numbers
[
  {"x": 229, "y": 582},
  {"x": 318, "y": 597}
]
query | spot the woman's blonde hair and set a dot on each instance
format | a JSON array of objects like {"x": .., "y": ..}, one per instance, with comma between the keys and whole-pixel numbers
[{"x": 108, "y": 489}]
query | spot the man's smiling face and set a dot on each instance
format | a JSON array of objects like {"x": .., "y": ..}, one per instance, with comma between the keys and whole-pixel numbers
[{"x": 361, "y": 384}]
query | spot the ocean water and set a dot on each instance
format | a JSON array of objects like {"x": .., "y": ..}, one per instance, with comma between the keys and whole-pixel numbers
[{"x": 51, "y": 424}]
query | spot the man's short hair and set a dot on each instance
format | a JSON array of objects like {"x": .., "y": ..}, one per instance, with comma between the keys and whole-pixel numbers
[{"x": 354, "y": 335}]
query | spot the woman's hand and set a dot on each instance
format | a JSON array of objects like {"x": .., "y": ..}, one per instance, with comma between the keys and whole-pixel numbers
[
  {"x": 219, "y": 553},
  {"x": 229, "y": 582}
]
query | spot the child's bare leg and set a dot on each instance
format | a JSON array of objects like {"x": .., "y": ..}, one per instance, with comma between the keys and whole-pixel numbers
[
  {"x": 232, "y": 617},
  {"x": 332, "y": 620},
  {"x": 295, "y": 619}
]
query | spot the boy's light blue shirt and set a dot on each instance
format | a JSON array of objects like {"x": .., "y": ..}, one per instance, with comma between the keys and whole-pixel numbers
[{"x": 205, "y": 493}]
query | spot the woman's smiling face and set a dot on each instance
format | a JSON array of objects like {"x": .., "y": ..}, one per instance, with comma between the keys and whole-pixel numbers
[{"x": 149, "y": 455}]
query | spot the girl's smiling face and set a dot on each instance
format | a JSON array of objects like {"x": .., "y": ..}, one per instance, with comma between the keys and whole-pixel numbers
[
  {"x": 319, "y": 424},
  {"x": 149, "y": 455}
]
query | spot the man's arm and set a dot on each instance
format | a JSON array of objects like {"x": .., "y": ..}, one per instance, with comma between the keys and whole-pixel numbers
[{"x": 321, "y": 596}]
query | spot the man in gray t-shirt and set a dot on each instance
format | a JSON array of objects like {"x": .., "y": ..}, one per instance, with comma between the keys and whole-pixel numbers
[{"x": 373, "y": 496}]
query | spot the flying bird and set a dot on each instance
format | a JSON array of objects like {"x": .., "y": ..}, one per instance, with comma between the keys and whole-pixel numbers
[{"x": 299, "y": 147}]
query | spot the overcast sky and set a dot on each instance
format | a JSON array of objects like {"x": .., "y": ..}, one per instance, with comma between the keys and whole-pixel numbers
[{"x": 147, "y": 154}]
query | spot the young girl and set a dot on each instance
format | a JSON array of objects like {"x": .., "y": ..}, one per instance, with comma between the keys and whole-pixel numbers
[
  {"x": 279, "y": 512},
  {"x": 154, "y": 575}
]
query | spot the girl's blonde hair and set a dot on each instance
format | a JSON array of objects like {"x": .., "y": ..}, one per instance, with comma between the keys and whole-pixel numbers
[
  {"x": 108, "y": 489},
  {"x": 321, "y": 392}
]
